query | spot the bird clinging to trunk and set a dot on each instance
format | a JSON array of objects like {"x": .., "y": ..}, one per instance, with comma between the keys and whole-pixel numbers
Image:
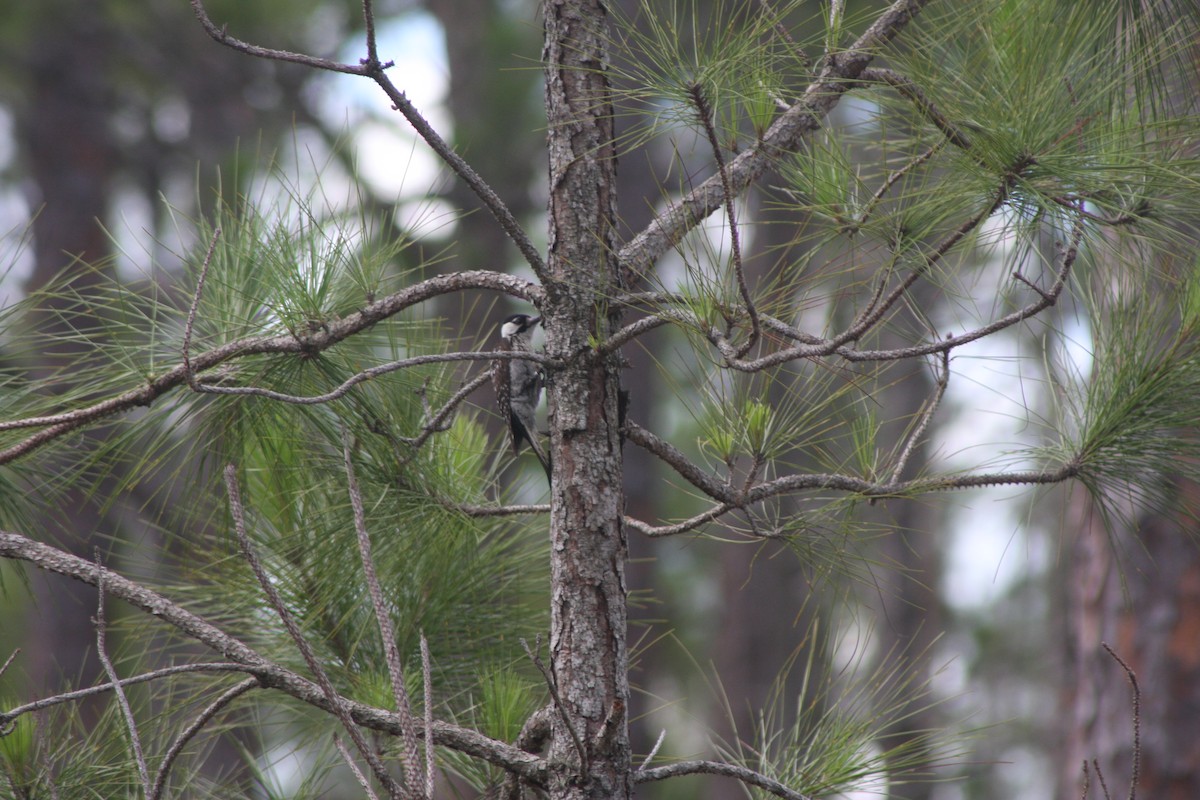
[{"x": 518, "y": 384}]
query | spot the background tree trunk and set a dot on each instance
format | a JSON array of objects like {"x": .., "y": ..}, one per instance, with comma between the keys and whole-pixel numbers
[{"x": 1138, "y": 591}]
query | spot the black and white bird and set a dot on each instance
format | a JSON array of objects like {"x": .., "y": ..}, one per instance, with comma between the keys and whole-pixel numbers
[{"x": 519, "y": 385}]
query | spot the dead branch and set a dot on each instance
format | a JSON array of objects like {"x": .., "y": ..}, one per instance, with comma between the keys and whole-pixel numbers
[
  {"x": 736, "y": 771},
  {"x": 336, "y": 703},
  {"x": 176, "y": 747},
  {"x": 410, "y": 755}
]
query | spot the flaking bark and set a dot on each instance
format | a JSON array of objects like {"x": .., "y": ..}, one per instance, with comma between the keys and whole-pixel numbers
[{"x": 588, "y": 546}]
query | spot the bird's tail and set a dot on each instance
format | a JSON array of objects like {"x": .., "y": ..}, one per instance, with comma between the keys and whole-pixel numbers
[{"x": 542, "y": 456}]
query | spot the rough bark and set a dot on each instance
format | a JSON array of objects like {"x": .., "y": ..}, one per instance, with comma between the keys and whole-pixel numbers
[
  {"x": 1138, "y": 591},
  {"x": 588, "y": 546}
]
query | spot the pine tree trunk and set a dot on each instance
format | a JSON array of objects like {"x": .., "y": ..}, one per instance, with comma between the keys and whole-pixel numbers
[
  {"x": 1139, "y": 592},
  {"x": 588, "y": 547}
]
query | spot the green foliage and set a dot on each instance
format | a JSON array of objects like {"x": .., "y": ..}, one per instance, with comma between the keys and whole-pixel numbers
[
  {"x": 727, "y": 52},
  {"x": 472, "y": 586},
  {"x": 1132, "y": 421}
]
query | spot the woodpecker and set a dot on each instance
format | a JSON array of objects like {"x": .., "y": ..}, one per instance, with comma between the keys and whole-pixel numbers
[{"x": 519, "y": 385}]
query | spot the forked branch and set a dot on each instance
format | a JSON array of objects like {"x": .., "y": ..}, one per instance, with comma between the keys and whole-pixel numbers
[{"x": 372, "y": 68}]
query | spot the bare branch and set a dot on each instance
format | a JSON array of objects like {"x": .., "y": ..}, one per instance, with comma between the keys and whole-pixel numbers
[
  {"x": 784, "y": 136},
  {"x": 891, "y": 180},
  {"x": 306, "y": 344},
  {"x": 410, "y": 755},
  {"x": 1135, "y": 771},
  {"x": 358, "y": 773},
  {"x": 689, "y": 524},
  {"x": 942, "y": 483},
  {"x": 362, "y": 377},
  {"x": 735, "y": 239},
  {"x": 653, "y": 750},
  {"x": 1100, "y": 778},
  {"x": 427, "y": 680},
  {"x": 931, "y": 406},
  {"x": 8, "y": 661},
  {"x": 500, "y": 511},
  {"x": 270, "y": 675},
  {"x": 222, "y": 36},
  {"x": 784, "y": 34},
  {"x": 814, "y": 347},
  {"x": 135, "y": 741},
  {"x": 439, "y": 422},
  {"x": 336, "y": 702},
  {"x": 372, "y": 68},
  {"x": 743, "y": 774},
  {"x": 185, "y": 736},
  {"x": 693, "y": 473},
  {"x": 911, "y": 91},
  {"x": 8, "y": 717},
  {"x": 369, "y": 23},
  {"x": 190, "y": 374}
]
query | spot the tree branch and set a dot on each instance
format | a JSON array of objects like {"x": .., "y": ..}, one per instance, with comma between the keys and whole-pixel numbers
[
  {"x": 910, "y": 90},
  {"x": 410, "y": 755},
  {"x": 8, "y": 717},
  {"x": 222, "y": 36},
  {"x": 271, "y": 675},
  {"x": 336, "y": 702},
  {"x": 784, "y": 136},
  {"x": 135, "y": 741},
  {"x": 307, "y": 344},
  {"x": 372, "y": 68},
  {"x": 164, "y": 769},
  {"x": 736, "y": 771},
  {"x": 735, "y": 238}
]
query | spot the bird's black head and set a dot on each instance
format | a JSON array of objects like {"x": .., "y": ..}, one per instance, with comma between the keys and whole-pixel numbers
[{"x": 517, "y": 324}]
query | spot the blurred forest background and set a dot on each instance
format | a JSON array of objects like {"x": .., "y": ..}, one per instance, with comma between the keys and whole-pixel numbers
[{"x": 120, "y": 120}]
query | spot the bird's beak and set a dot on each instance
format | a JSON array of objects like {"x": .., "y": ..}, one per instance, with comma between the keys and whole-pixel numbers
[{"x": 534, "y": 321}]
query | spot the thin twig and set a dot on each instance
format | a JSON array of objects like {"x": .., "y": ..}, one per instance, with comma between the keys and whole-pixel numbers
[
  {"x": 164, "y": 769},
  {"x": 358, "y": 774},
  {"x": 191, "y": 317},
  {"x": 8, "y": 661},
  {"x": 910, "y": 90},
  {"x": 743, "y": 774},
  {"x": 784, "y": 34},
  {"x": 891, "y": 181},
  {"x": 499, "y": 511},
  {"x": 7, "y": 717},
  {"x": 1100, "y": 778},
  {"x": 552, "y": 685},
  {"x": 671, "y": 455},
  {"x": 690, "y": 524},
  {"x": 336, "y": 702},
  {"x": 365, "y": 375},
  {"x": 931, "y": 407},
  {"x": 222, "y": 35},
  {"x": 440, "y": 421},
  {"x": 135, "y": 740},
  {"x": 653, "y": 750},
  {"x": 410, "y": 755},
  {"x": 735, "y": 239},
  {"x": 1135, "y": 773},
  {"x": 427, "y": 679},
  {"x": 369, "y": 22}
]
